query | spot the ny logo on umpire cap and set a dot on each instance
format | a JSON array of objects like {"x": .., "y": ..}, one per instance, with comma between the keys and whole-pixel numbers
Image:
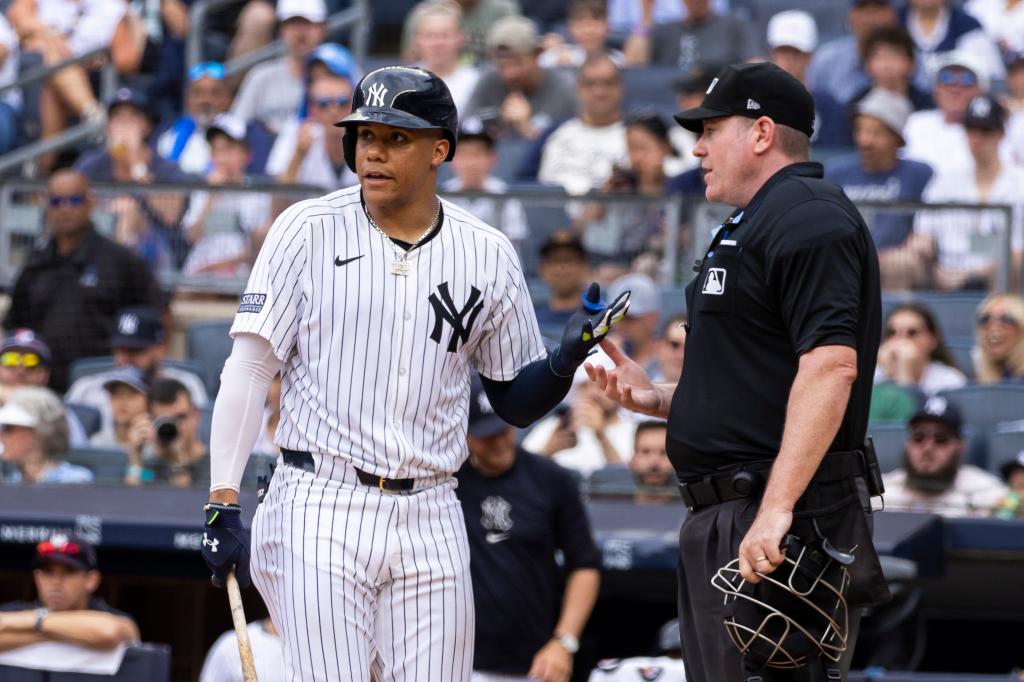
[
  {"x": 375, "y": 98},
  {"x": 445, "y": 311}
]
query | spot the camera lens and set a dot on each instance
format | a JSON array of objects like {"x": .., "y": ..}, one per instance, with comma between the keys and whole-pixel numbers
[{"x": 166, "y": 430}]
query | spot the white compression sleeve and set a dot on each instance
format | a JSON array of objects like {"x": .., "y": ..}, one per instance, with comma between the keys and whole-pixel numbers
[{"x": 238, "y": 412}]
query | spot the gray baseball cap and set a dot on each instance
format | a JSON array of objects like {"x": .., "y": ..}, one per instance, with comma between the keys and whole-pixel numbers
[
  {"x": 891, "y": 109},
  {"x": 643, "y": 298}
]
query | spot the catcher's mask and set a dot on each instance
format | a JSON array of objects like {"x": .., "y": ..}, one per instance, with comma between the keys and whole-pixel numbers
[{"x": 796, "y": 613}]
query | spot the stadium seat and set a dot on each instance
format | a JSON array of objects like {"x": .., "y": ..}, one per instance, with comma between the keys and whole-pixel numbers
[
  {"x": 984, "y": 406},
  {"x": 615, "y": 479},
  {"x": 1004, "y": 443},
  {"x": 955, "y": 313},
  {"x": 511, "y": 152},
  {"x": 673, "y": 302},
  {"x": 962, "y": 349},
  {"x": 651, "y": 88},
  {"x": 88, "y": 416},
  {"x": 108, "y": 465},
  {"x": 205, "y": 423},
  {"x": 83, "y": 367},
  {"x": 208, "y": 344},
  {"x": 889, "y": 439}
]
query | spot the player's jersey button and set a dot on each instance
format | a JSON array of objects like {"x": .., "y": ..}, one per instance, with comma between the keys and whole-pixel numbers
[
  {"x": 408, "y": 316},
  {"x": 401, "y": 371}
]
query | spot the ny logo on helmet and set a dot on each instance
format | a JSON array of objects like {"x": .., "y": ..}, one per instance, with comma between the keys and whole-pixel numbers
[
  {"x": 445, "y": 311},
  {"x": 375, "y": 98}
]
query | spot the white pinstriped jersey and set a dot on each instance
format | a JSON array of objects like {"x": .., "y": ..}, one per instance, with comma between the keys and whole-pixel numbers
[{"x": 376, "y": 365}]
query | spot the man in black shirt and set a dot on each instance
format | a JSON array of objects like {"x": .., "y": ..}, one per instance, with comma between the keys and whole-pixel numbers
[
  {"x": 73, "y": 284},
  {"x": 780, "y": 352},
  {"x": 67, "y": 611},
  {"x": 520, "y": 509}
]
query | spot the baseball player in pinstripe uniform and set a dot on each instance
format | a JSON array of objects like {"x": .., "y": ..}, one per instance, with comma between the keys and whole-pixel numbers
[{"x": 374, "y": 302}]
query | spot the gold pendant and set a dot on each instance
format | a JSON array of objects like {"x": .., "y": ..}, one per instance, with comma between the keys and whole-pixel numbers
[{"x": 400, "y": 267}]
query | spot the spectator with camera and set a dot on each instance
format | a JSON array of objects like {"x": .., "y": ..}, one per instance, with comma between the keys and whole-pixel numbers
[
  {"x": 35, "y": 440},
  {"x": 139, "y": 341},
  {"x": 168, "y": 449},
  {"x": 67, "y": 610}
]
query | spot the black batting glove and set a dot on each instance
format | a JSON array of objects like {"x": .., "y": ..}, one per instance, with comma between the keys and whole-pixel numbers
[
  {"x": 586, "y": 328},
  {"x": 225, "y": 544}
]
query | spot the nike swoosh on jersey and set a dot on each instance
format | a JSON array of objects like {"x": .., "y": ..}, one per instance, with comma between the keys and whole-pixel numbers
[
  {"x": 338, "y": 262},
  {"x": 495, "y": 538}
]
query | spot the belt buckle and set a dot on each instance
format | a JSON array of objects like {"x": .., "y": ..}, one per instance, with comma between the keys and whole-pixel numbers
[{"x": 380, "y": 483}]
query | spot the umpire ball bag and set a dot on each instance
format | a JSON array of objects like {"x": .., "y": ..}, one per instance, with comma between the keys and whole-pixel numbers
[{"x": 404, "y": 97}]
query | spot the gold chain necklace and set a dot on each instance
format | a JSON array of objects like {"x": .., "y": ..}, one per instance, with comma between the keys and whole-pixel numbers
[{"x": 401, "y": 266}]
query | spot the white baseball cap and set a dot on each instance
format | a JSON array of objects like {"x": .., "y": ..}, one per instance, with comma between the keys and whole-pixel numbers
[
  {"x": 311, "y": 10},
  {"x": 13, "y": 414},
  {"x": 888, "y": 107},
  {"x": 793, "y": 28},
  {"x": 227, "y": 124}
]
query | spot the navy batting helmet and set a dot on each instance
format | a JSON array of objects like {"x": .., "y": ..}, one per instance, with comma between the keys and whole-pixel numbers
[{"x": 404, "y": 97}]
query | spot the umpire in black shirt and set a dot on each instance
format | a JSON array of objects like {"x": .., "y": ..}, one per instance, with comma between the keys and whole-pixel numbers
[
  {"x": 784, "y": 330},
  {"x": 520, "y": 509}
]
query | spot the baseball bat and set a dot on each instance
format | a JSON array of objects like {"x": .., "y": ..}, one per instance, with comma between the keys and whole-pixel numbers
[{"x": 241, "y": 630}]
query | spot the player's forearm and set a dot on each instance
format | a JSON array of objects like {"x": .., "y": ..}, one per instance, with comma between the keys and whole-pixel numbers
[
  {"x": 817, "y": 402},
  {"x": 534, "y": 392},
  {"x": 93, "y": 629},
  {"x": 238, "y": 413},
  {"x": 580, "y": 596}
]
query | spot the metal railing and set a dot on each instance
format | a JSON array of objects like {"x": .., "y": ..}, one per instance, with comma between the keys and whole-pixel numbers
[
  {"x": 83, "y": 130},
  {"x": 356, "y": 18},
  {"x": 943, "y": 247}
]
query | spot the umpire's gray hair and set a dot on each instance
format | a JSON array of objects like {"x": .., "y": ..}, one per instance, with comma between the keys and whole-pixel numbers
[{"x": 51, "y": 419}]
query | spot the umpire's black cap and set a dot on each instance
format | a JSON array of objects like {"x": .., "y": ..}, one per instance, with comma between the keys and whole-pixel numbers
[{"x": 754, "y": 90}]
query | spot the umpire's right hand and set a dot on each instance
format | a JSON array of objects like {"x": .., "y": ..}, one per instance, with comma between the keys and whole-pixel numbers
[{"x": 225, "y": 544}]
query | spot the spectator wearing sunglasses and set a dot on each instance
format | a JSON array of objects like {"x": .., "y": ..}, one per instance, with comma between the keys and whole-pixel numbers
[
  {"x": 940, "y": 27},
  {"x": 999, "y": 345},
  {"x": 309, "y": 149},
  {"x": 207, "y": 95},
  {"x": 913, "y": 353},
  {"x": 937, "y": 136},
  {"x": 73, "y": 284},
  {"x": 671, "y": 346},
  {"x": 34, "y": 435},
  {"x": 67, "y": 610},
  {"x": 934, "y": 477}
]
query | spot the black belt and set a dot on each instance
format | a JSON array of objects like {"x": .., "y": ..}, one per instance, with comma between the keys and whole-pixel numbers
[
  {"x": 748, "y": 479},
  {"x": 304, "y": 460}
]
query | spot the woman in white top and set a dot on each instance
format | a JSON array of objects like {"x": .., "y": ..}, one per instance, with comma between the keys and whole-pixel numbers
[{"x": 913, "y": 353}]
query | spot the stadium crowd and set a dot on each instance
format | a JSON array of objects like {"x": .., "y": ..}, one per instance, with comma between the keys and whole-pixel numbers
[{"x": 917, "y": 102}]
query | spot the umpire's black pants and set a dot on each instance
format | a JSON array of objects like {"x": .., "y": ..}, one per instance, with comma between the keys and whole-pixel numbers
[{"x": 710, "y": 538}]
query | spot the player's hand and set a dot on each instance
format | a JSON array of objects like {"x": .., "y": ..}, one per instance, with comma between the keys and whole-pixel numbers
[
  {"x": 225, "y": 544},
  {"x": 551, "y": 664},
  {"x": 586, "y": 328},
  {"x": 761, "y": 549},
  {"x": 627, "y": 384}
]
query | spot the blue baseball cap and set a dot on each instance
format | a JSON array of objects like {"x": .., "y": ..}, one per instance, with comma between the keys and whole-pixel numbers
[
  {"x": 338, "y": 60},
  {"x": 134, "y": 98}
]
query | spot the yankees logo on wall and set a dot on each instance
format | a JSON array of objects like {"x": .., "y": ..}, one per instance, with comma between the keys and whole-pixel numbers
[{"x": 461, "y": 320}]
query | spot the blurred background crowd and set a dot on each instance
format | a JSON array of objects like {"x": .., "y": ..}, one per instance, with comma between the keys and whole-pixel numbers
[{"x": 147, "y": 146}]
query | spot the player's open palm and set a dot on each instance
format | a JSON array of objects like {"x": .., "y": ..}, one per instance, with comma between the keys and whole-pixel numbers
[{"x": 627, "y": 383}]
